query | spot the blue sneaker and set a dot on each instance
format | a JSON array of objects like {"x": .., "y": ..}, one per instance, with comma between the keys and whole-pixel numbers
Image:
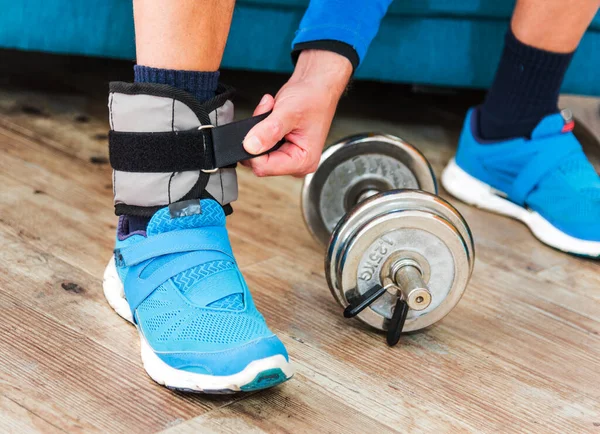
[
  {"x": 179, "y": 284},
  {"x": 546, "y": 182}
]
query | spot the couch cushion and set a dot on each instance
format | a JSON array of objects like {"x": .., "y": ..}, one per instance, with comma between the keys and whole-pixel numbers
[{"x": 494, "y": 9}]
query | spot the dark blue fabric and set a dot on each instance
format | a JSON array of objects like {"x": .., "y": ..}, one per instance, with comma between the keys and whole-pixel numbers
[
  {"x": 202, "y": 85},
  {"x": 524, "y": 91}
]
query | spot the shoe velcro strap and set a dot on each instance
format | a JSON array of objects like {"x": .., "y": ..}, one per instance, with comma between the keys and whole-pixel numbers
[
  {"x": 181, "y": 241},
  {"x": 137, "y": 289},
  {"x": 211, "y": 293},
  {"x": 207, "y": 148},
  {"x": 551, "y": 153}
]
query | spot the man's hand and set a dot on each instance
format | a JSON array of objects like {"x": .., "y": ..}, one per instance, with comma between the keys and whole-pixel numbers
[{"x": 302, "y": 113}]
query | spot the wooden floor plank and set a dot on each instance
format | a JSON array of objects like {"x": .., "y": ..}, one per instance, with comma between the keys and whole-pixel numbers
[
  {"x": 302, "y": 408},
  {"x": 63, "y": 308},
  {"x": 62, "y": 122},
  {"x": 69, "y": 376},
  {"x": 18, "y": 419},
  {"x": 446, "y": 356}
]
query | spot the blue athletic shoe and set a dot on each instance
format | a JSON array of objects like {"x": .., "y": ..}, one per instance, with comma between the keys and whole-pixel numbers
[
  {"x": 179, "y": 284},
  {"x": 546, "y": 182}
]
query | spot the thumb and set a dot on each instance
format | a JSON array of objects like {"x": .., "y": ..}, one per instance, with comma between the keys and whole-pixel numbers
[
  {"x": 267, "y": 133},
  {"x": 265, "y": 105}
]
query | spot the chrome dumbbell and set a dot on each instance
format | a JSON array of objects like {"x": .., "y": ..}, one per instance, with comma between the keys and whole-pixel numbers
[{"x": 398, "y": 257}]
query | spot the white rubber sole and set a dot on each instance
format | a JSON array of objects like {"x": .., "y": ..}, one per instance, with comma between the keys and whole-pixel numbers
[
  {"x": 474, "y": 192},
  {"x": 258, "y": 374}
]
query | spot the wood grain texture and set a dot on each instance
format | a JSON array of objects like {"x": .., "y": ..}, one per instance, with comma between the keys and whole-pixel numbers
[{"x": 520, "y": 353}]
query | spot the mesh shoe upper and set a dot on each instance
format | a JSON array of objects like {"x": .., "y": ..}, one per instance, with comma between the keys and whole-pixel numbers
[
  {"x": 200, "y": 316},
  {"x": 571, "y": 193}
]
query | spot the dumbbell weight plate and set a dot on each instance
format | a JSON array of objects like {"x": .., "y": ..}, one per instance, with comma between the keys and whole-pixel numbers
[
  {"x": 395, "y": 225},
  {"x": 353, "y": 166}
]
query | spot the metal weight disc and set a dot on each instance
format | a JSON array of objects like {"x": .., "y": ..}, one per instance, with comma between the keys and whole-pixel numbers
[
  {"x": 393, "y": 226},
  {"x": 355, "y": 168}
]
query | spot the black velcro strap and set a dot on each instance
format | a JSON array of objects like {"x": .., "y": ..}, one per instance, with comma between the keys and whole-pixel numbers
[
  {"x": 172, "y": 151},
  {"x": 180, "y": 151},
  {"x": 228, "y": 141}
]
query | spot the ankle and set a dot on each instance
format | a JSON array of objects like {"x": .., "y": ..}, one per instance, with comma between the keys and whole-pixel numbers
[
  {"x": 491, "y": 127},
  {"x": 525, "y": 90},
  {"x": 137, "y": 223},
  {"x": 201, "y": 85}
]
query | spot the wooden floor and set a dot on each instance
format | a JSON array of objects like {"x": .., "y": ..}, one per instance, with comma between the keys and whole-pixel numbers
[{"x": 520, "y": 353}]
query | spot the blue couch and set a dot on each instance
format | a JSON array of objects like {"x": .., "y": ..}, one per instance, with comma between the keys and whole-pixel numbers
[{"x": 435, "y": 42}]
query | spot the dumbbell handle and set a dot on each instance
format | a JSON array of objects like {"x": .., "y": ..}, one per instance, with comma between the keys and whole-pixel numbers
[
  {"x": 407, "y": 280},
  {"x": 412, "y": 293},
  {"x": 407, "y": 276},
  {"x": 405, "y": 273}
]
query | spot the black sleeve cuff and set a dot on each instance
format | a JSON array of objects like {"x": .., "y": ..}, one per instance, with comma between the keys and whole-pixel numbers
[{"x": 338, "y": 47}]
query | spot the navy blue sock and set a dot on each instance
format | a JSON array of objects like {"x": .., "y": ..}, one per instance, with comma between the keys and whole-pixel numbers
[
  {"x": 203, "y": 85},
  {"x": 525, "y": 90}
]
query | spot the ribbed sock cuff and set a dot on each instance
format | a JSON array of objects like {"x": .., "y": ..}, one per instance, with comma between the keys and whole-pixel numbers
[
  {"x": 202, "y": 85},
  {"x": 537, "y": 57},
  {"x": 525, "y": 90}
]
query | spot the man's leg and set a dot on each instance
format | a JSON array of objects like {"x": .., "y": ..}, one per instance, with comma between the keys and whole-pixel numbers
[
  {"x": 180, "y": 45},
  {"x": 173, "y": 273},
  {"x": 553, "y": 25},
  {"x": 187, "y": 35},
  {"x": 539, "y": 45},
  {"x": 517, "y": 154}
]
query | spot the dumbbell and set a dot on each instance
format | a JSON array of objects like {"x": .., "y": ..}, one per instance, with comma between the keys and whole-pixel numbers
[{"x": 399, "y": 257}]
